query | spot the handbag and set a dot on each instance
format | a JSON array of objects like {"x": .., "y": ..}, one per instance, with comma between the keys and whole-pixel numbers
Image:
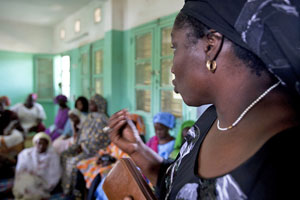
[{"x": 125, "y": 180}]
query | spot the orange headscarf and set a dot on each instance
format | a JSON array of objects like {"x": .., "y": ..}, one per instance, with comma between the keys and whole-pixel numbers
[{"x": 139, "y": 123}]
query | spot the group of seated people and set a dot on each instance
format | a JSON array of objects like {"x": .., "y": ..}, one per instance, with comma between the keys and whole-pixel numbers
[{"x": 73, "y": 155}]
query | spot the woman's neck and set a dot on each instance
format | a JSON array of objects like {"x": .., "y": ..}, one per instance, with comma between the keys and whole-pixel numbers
[
  {"x": 63, "y": 106},
  {"x": 273, "y": 110},
  {"x": 28, "y": 105},
  {"x": 166, "y": 139},
  {"x": 237, "y": 94}
]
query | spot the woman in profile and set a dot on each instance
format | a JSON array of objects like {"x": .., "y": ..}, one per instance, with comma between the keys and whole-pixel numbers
[{"x": 243, "y": 58}]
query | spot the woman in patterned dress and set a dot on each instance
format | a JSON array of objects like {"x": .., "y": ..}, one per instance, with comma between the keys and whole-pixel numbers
[{"x": 90, "y": 138}]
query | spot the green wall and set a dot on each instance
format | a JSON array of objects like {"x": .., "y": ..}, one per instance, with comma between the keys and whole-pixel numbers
[
  {"x": 16, "y": 75},
  {"x": 114, "y": 68},
  {"x": 17, "y": 80}
]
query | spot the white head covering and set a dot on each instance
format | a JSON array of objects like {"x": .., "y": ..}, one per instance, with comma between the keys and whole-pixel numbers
[
  {"x": 75, "y": 111},
  {"x": 41, "y": 135},
  {"x": 44, "y": 165},
  {"x": 79, "y": 114}
]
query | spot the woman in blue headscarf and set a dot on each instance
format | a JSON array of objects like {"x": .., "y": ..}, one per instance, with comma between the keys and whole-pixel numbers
[{"x": 162, "y": 143}]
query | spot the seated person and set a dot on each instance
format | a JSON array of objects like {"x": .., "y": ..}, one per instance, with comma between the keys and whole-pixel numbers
[
  {"x": 162, "y": 143},
  {"x": 90, "y": 138},
  {"x": 91, "y": 167},
  {"x": 11, "y": 137},
  {"x": 55, "y": 130},
  {"x": 180, "y": 138},
  {"x": 81, "y": 104},
  {"x": 31, "y": 114},
  {"x": 95, "y": 169},
  {"x": 7, "y": 168},
  {"x": 7, "y": 165},
  {"x": 63, "y": 142},
  {"x": 38, "y": 170}
]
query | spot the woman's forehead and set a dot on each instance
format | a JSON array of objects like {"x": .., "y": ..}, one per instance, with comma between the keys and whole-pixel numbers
[
  {"x": 159, "y": 125},
  {"x": 176, "y": 33},
  {"x": 181, "y": 32},
  {"x": 42, "y": 140}
]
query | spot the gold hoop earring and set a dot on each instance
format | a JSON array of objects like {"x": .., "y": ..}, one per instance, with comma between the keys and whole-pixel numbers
[{"x": 211, "y": 65}]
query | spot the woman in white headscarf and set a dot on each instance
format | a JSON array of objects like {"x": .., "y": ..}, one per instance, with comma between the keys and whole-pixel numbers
[
  {"x": 38, "y": 170},
  {"x": 63, "y": 142}
]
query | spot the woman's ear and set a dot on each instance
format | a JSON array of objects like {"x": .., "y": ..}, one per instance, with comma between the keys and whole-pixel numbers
[{"x": 212, "y": 43}]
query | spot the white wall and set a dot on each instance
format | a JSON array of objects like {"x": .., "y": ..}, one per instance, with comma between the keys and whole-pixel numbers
[
  {"x": 114, "y": 15},
  {"x": 117, "y": 15},
  {"x": 19, "y": 37},
  {"x": 138, "y": 12},
  {"x": 90, "y": 31},
  {"x": 127, "y": 14}
]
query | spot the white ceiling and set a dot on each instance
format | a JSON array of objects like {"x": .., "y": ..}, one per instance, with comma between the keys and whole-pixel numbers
[{"x": 39, "y": 12}]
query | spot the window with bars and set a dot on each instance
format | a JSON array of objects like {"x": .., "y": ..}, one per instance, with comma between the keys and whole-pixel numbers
[
  {"x": 44, "y": 78},
  {"x": 98, "y": 71},
  {"x": 153, "y": 60},
  {"x": 143, "y": 71},
  {"x": 85, "y": 75},
  {"x": 169, "y": 100},
  {"x": 92, "y": 70}
]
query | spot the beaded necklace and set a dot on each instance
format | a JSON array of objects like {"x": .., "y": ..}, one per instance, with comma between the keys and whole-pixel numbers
[{"x": 248, "y": 108}]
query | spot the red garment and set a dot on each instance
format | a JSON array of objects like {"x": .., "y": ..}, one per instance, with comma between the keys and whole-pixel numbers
[
  {"x": 40, "y": 127},
  {"x": 153, "y": 143}
]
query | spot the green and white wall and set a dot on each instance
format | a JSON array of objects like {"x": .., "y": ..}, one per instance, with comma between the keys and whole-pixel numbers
[{"x": 21, "y": 45}]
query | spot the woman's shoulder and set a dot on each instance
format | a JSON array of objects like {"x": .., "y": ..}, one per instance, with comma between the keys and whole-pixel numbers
[
  {"x": 26, "y": 152},
  {"x": 274, "y": 167},
  {"x": 17, "y": 106},
  {"x": 100, "y": 117},
  {"x": 169, "y": 143},
  {"x": 284, "y": 144},
  {"x": 38, "y": 105},
  {"x": 52, "y": 152},
  {"x": 276, "y": 159}
]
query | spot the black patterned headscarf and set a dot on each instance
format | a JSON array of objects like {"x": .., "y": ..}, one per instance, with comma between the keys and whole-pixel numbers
[{"x": 268, "y": 28}]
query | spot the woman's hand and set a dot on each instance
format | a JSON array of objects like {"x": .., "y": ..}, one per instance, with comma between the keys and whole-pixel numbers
[{"x": 123, "y": 132}]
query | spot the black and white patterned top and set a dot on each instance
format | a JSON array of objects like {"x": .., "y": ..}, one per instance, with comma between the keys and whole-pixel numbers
[{"x": 268, "y": 174}]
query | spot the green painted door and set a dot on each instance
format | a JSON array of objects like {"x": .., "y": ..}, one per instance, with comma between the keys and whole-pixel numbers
[
  {"x": 97, "y": 68},
  {"x": 44, "y": 85},
  {"x": 86, "y": 71},
  {"x": 153, "y": 60}
]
